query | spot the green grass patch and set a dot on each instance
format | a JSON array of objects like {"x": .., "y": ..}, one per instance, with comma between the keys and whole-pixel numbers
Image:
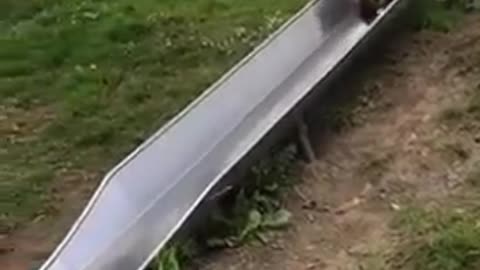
[
  {"x": 110, "y": 72},
  {"x": 440, "y": 239},
  {"x": 442, "y": 236}
]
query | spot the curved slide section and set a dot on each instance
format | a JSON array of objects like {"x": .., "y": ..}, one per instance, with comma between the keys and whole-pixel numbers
[{"x": 146, "y": 199}]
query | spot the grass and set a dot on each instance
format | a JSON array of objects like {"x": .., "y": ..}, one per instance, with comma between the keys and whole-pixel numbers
[
  {"x": 440, "y": 239},
  {"x": 83, "y": 82}
]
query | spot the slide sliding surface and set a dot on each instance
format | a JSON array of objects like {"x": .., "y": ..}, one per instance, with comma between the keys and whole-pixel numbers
[{"x": 143, "y": 201}]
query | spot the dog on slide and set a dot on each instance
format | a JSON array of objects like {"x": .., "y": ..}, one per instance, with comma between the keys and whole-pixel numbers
[{"x": 369, "y": 8}]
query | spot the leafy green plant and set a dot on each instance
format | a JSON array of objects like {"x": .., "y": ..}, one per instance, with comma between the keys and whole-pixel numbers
[
  {"x": 175, "y": 256},
  {"x": 256, "y": 208},
  {"x": 168, "y": 260},
  {"x": 255, "y": 226}
]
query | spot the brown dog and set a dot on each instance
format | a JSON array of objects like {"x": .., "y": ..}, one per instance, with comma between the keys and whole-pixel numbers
[{"x": 369, "y": 8}]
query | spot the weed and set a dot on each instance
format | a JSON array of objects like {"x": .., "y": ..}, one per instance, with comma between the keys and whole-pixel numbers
[
  {"x": 256, "y": 208},
  {"x": 175, "y": 256},
  {"x": 167, "y": 260},
  {"x": 255, "y": 225}
]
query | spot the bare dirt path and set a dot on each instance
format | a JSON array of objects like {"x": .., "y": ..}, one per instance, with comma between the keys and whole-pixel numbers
[{"x": 401, "y": 154}]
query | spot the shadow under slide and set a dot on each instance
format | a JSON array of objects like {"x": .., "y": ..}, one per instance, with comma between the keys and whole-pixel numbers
[{"x": 150, "y": 195}]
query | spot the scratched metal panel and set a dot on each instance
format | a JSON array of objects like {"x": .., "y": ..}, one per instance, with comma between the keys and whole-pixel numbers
[{"x": 143, "y": 201}]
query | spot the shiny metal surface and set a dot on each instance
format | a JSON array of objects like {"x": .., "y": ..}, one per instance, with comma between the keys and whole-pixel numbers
[{"x": 144, "y": 200}]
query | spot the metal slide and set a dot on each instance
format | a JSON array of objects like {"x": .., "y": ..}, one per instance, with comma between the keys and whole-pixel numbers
[{"x": 149, "y": 196}]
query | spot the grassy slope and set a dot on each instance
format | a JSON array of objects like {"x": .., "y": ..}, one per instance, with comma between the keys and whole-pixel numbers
[{"x": 82, "y": 82}]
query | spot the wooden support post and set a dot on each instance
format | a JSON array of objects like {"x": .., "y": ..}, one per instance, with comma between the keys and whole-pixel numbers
[{"x": 303, "y": 141}]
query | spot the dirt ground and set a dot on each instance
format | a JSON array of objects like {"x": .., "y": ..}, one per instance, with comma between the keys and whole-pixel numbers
[
  {"x": 400, "y": 154},
  {"x": 30, "y": 246}
]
